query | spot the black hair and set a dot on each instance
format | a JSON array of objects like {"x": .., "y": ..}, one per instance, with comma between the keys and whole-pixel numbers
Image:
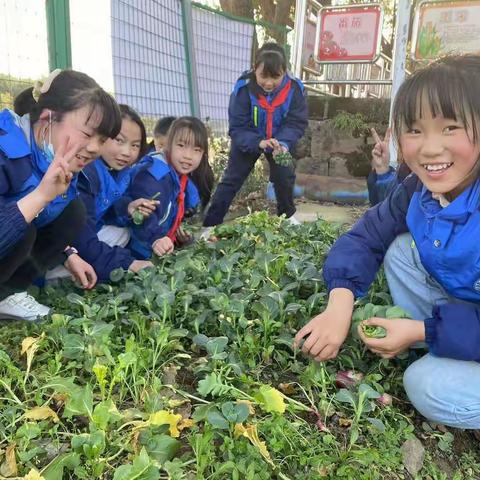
[
  {"x": 450, "y": 87},
  {"x": 161, "y": 129},
  {"x": 193, "y": 130},
  {"x": 273, "y": 57},
  {"x": 162, "y": 126},
  {"x": 71, "y": 90},
  {"x": 128, "y": 112}
]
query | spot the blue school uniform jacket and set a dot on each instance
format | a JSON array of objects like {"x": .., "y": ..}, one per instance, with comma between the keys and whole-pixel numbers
[
  {"x": 157, "y": 178},
  {"x": 103, "y": 191},
  {"x": 248, "y": 120},
  {"x": 447, "y": 241},
  {"x": 22, "y": 166}
]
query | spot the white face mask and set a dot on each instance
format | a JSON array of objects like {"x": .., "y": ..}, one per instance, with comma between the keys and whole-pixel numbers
[{"x": 48, "y": 147}]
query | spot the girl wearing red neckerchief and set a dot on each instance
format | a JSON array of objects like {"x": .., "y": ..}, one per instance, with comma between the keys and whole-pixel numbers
[
  {"x": 267, "y": 114},
  {"x": 168, "y": 180}
]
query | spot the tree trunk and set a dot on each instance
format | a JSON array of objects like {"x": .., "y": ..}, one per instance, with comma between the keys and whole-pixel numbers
[{"x": 240, "y": 8}]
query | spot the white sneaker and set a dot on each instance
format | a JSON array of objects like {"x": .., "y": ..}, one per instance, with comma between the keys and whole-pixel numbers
[
  {"x": 22, "y": 306},
  {"x": 294, "y": 220},
  {"x": 206, "y": 233}
]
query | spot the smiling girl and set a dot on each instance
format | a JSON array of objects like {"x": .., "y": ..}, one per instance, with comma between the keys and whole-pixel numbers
[
  {"x": 426, "y": 233},
  {"x": 185, "y": 152},
  {"x": 57, "y": 129},
  {"x": 103, "y": 186}
]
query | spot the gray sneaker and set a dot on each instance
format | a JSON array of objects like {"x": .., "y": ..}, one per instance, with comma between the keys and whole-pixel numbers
[{"x": 22, "y": 306}]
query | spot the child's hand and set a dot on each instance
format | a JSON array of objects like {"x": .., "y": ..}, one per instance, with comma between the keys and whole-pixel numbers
[
  {"x": 183, "y": 236},
  {"x": 57, "y": 178},
  {"x": 162, "y": 246},
  {"x": 381, "y": 152},
  {"x": 324, "y": 335},
  {"x": 81, "y": 271},
  {"x": 271, "y": 143},
  {"x": 401, "y": 333},
  {"x": 280, "y": 150},
  {"x": 138, "y": 265},
  {"x": 145, "y": 206}
]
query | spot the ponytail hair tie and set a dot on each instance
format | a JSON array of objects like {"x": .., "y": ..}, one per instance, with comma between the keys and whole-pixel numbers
[{"x": 42, "y": 87}]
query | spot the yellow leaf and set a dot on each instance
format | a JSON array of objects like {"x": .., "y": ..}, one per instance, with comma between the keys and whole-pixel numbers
[
  {"x": 186, "y": 423},
  {"x": 270, "y": 399},
  {"x": 9, "y": 465},
  {"x": 33, "y": 475},
  {"x": 41, "y": 413},
  {"x": 162, "y": 417},
  {"x": 29, "y": 347},
  {"x": 250, "y": 431}
]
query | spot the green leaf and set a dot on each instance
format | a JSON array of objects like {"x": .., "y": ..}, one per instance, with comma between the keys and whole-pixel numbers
[
  {"x": 368, "y": 391},
  {"x": 200, "y": 340},
  {"x": 217, "y": 420},
  {"x": 60, "y": 385},
  {"x": 216, "y": 345},
  {"x": 212, "y": 385},
  {"x": 378, "y": 424},
  {"x": 105, "y": 413},
  {"x": 80, "y": 403},
  {"x": 235, "y": 412},
  {"x": 55, "y": 470},
  {"x": 75, "y": 299},
  {"x": 141, "y": 469},
  {"x": 117, "y": 275},
  {"x": 397, "y": 312},
  {"x": 159, "y": 447},
  {"x": 73, "y": 346},
  {"x": 345, "y": 396}
]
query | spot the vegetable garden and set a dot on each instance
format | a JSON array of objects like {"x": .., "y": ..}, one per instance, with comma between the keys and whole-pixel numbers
[{"x": 187, "y": 371}]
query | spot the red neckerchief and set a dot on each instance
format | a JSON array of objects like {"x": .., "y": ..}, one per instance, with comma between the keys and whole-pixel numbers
[
  {"x": 271, "y": 107},
  {"x": 172, "y": 233}
]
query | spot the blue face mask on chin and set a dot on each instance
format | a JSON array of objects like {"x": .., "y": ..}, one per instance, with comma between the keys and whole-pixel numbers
[
  {"x": 47, "y": 147},
  {"x": 48, "y": 151}
]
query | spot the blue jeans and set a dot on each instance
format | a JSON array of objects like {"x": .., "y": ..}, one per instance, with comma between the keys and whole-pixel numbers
[{"x": 444, "y": 390}]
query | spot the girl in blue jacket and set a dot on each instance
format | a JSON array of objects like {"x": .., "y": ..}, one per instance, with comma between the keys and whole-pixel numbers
[
  {"x": 167, "y": 178},
  {"x": 267, "y": 114},
  {"x": 426, "y": 232},
  {"x": 103, "y": 189},
  {"x": 57, "y": 130}
]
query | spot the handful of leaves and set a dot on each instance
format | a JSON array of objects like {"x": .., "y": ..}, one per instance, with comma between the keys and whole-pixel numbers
[
  {"x": 285, "y": 159},
  {"x": 137, "y": 215},
  {"x": 373, "y": 331}
]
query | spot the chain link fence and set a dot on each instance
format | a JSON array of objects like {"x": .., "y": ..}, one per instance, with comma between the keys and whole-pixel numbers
[
  {"x": 162, "y": 57},
  {"x": 24, "y": 55}
]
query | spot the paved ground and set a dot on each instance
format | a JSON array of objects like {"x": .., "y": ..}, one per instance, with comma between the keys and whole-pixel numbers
[{"x": 345, "y": 214}]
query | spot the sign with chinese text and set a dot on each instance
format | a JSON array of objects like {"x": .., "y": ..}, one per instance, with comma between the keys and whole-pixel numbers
[
  {"x": 349, "y": 34},
  {"x": 446, "y": 27}
]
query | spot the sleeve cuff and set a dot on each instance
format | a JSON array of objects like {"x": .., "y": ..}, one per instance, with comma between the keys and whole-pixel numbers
[
  {"x": 430, "y": 331},
  {"x": 17, "y": 218},
  {"x": 341, "y": 283},
  {"x": 385, "y": 177}
]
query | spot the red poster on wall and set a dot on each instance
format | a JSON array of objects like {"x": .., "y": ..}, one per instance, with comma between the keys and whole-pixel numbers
[{"x": 349, "y": 34}]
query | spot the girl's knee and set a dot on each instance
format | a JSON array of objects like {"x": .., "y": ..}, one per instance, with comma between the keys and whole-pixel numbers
[
  {"x": 398, "y": 250},
  {"x": 430, "y": 388}
]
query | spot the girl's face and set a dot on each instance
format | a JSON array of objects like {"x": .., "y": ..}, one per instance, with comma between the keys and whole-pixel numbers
[
  {"x": 185, "y": 157},
  {"x": 266, "y": 81},
  {"x": 124, "y": 150},
  {"x": 78, "y": 129},
  {"x": 160, "y": 141},
  {"x": 439, "y": 151}
]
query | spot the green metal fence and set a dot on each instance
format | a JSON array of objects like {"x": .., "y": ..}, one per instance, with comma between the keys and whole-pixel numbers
[{"x": 162, "y": 57}]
